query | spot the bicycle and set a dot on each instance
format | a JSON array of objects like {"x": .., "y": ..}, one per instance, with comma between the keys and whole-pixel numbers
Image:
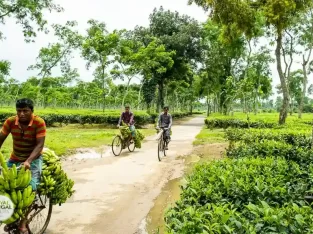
[
  {"x": 37, "y": 206},
  {"x": 121, "y": 142},
  {"x": 162, "y": 143}
]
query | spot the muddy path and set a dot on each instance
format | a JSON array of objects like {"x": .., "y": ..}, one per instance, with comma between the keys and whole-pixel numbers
[{"x": 114, "y": 194}]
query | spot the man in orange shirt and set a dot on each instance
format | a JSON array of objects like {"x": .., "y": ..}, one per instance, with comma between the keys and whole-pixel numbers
[{"x": 28, "y": 133}]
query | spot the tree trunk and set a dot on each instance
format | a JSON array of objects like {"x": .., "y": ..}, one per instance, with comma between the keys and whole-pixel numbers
[
  {"x": 284, "y": 110},
  {"x": 305, "y": 83},
  {"x": 208, "y": 106},
  {"x": 312, "y": 136},
  {"x": 126, "y": 92},
  {"x": 160, "y": 102},
  {"x": 291, "y": 107},
  {"x": 139, "y": 96}
]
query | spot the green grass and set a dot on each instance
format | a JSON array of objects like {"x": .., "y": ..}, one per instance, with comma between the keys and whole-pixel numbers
[
  {"x": 66, "y": 139},
  {"x": 207, "y": 136}
]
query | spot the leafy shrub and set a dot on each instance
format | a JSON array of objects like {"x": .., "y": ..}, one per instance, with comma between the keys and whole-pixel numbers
[
  {"x": 254, "y": 218},
  {"x": 266, "y": 148},
  {"x": 245, "y": 180},
  {"x": 105, "y": 118},
  {"x": 307, "y": 108},
  {"x": 237, "y": 123},
  {"x": 224, "y": 197},
  {"x": 293, "y": 137}
]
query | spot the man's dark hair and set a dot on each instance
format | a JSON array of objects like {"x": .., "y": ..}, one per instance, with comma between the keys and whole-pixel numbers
[
  {"x": 25, "y": 102},
  {"x": 127, "y": 107},
  {"x": 165, "y": 107}
]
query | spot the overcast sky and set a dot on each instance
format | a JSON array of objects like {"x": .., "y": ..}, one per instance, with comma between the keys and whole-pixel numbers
[{"x": 117, "y": 14}]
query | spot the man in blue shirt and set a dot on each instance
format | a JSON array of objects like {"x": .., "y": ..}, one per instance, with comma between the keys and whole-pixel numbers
[{"x": 165, "y": 121}]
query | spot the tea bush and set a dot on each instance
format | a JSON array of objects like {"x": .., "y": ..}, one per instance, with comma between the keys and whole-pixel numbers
[
  {"x": 103, "y": 118},
  {"x": 245, "y": 180},
  {"x": 259, "y": 188},
  {"x": 299, "y": 138},
  {"x": 219, "y": 198},
  {"x": 237, "y": 123},
  {"x": 258, "y": 121},
  {"x": 267, "y": 148},
  {"x": 258, "y": 218}
]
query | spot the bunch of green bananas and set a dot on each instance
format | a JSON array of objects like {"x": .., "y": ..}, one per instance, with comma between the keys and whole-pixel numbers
[
  {"x": 14, "y": 184},
  {"x": 138, "y": 138},
  {"x": 54, "y": 181},
  {"x": 125, "y": 131}
]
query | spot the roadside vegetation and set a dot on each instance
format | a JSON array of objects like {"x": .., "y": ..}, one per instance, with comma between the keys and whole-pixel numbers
[{"x": 259, "y": 186}]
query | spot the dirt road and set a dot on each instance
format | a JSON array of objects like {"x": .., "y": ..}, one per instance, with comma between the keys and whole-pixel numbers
[{"x": 114, "y": 194}]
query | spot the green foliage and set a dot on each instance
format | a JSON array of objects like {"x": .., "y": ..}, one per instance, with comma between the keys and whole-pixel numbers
[
  {"x": 248, "y": 195},
  {"x": 293, "y": 137},
  {"x": 138, "y": 139},
  {"x": 259, "y": 188},
  {"x": 256, "y": 218},
  {"x": 228, "y": 122},
  {"x": 141, "y": 118},
  {"x": 60, "y": 53},
  {"x": 26, "y": 13},
  {"x": 267, "y": 148}
]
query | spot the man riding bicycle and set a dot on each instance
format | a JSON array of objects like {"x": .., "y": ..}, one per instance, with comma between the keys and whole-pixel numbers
[
  {"x": 128, "y": 118},
  {"x": 28, "y": 133},
  {"x": 165, "y": 121}
]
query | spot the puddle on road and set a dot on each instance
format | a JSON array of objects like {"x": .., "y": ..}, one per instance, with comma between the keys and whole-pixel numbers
[
  {"x": 155, "y": 219},
  {"x": 154, "y": 222},
  {"x": 91, "y": 153}
]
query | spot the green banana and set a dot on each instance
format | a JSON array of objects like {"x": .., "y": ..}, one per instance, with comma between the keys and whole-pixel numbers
[
  {"x": 19, "y": 196},
  {"x": 26, "y": 179},
  {"x": 5, "y": 173},
  {"x": 20, "y": 212},
  {"x": 14, "y": 197},
  {"x": 30, "y": 199},
  {"x": 2, "y": 181},
  {"x": 20, "y": 205},
  {"x": 6, "y": 185},
  {"x": 14, "y": 171},
  {"x": 13, "y": 184},
  {"x": 20, "y": 177},
  {"x": 10, "y": 220},
  {"x": 2, "y": 162}
]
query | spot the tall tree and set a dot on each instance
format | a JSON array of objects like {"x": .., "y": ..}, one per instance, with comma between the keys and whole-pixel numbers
[
  {"x": 26, "y": 12},
  {"x": 58, "y": 54},
  {"x": 305, "y": 32},
  {"x": 153, "y": 61},
  {"x": 178, "y": 33},
  {"x": 125, "y": 64},
  {"x": 240, "y": 16},
  {"x": 98, "y": 45},
  {"x": 220, "y": 61}
]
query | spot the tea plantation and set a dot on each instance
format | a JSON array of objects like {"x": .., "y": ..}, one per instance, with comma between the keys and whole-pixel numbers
[{"x": 262, "y": 185}]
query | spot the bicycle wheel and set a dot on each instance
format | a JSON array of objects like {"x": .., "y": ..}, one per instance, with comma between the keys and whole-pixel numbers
[
  {"x": 35, "y": 224},
  {"x": 164, "y": 143},
  {"x": 160, "y": 147},
  {"x": 131, "y": 146},
  {"x": 117, "y": 145},
  {"x": 164, "y": 147}
]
